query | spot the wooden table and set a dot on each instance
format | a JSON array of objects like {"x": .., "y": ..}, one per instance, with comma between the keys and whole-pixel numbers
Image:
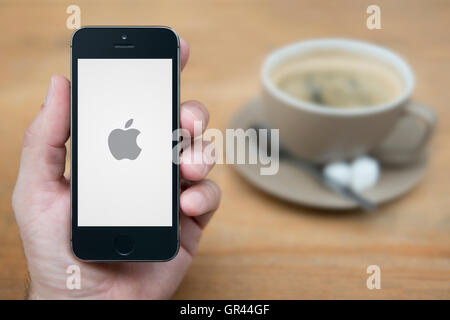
[{"x": 257, "y": 246}]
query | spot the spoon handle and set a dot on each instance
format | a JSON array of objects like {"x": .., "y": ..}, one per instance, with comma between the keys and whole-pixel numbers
[
  {"x": 364, "y": 203},
  {"x": 317, "y": 173},
  {"x": 345, "y": 191}
]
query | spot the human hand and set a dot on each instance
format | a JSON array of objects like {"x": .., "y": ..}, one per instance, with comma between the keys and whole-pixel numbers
[{"x": 41, "y": 203}]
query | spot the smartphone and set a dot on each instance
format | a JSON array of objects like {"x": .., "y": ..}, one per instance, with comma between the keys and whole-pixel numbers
[{"x": 124, "y": 109}]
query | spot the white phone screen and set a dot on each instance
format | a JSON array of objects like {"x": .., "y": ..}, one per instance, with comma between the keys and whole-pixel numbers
[{"x": 124, "y": 142}]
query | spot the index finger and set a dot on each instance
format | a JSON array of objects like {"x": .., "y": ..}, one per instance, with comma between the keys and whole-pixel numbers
[{"x": 184, "y": 52}]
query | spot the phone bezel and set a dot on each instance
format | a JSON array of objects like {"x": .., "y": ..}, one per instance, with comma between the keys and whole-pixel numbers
[{"x": 152, "y": 243}]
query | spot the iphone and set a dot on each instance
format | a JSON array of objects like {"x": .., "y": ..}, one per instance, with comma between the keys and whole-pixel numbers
[{"x": 124, "y": 110}]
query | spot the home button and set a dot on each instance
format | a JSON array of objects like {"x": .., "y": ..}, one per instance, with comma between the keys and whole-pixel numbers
[{"x": 124, "y": 245}]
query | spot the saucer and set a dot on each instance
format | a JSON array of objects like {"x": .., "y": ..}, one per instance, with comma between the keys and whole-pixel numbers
[{"x": 294, "y": 184}]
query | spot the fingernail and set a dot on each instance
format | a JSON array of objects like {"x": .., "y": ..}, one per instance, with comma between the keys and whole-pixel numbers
[
  {"x": 50, "y": 92},
  {"x": 197, "y": 114},
  {"x": 208, "y": 158},
  {"x": 197, "y": 201}
]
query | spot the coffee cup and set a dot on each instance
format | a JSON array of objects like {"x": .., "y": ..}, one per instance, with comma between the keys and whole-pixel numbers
[{"x": 336, "y": 99}]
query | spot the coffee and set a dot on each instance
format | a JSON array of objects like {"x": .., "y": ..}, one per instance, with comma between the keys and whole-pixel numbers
[{"x": 338, "y": 79}]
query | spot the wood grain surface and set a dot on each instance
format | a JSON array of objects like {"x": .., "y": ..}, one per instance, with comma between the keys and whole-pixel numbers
[{"x": 256, "y": 246}]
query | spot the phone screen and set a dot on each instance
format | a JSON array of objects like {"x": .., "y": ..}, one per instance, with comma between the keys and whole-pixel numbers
[{"x": 124, "y": 142}]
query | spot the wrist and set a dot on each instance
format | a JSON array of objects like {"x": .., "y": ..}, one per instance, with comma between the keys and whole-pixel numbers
[
  {"x": 32, "y": 293},
  {"x": 37, "y": 293}
]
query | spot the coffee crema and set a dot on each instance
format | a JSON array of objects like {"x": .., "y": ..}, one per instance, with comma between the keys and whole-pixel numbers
[{"x": 338, "y": 79}]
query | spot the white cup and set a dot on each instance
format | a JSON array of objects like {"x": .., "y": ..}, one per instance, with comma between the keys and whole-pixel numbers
[{"x": 322, "y": 134}]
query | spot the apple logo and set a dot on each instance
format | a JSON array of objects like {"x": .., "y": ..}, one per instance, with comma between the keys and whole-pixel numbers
[{"x": 122, "y": 143}]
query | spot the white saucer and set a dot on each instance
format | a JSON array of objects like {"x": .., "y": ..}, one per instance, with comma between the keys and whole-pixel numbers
[{"x": 296, "y": 185}]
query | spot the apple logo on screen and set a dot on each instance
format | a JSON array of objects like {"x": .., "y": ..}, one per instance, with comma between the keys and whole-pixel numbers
[{"x": 122, "y": 143}]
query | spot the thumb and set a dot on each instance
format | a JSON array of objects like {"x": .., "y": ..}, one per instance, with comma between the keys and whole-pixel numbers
[{"x": 44, "y": 153}]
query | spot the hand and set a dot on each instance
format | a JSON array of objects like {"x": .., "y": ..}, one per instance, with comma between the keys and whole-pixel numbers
[{"x": 41, "y": 202}]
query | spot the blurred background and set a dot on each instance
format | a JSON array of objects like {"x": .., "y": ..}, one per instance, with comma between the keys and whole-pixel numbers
[{"x": 257, "y": 247}]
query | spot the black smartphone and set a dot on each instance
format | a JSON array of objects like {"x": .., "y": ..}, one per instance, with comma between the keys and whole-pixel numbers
[{"x": 124, "y": 109}]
